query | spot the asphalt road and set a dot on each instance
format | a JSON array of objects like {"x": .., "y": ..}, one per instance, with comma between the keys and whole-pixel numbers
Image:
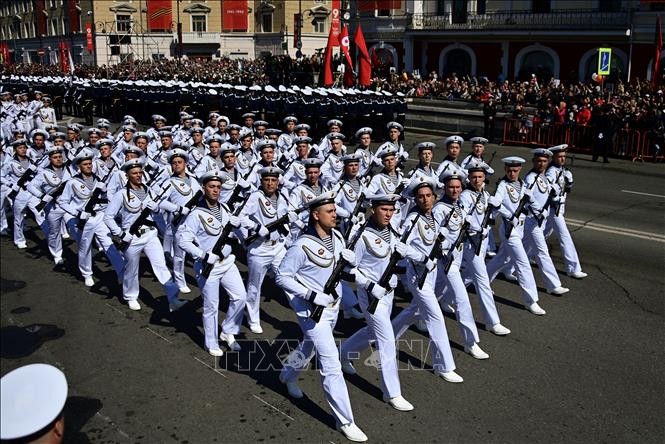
[{"x": 591, "y": 370}]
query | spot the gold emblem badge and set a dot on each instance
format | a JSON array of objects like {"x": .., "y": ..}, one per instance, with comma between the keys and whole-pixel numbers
[
  {"x": 209, "y": 220},
  {"x": 268, "y": 203},
  {"x": 377, "y": 242},
  {"x": 83, "y": 187},
  {"x": 320, "y": 252}
]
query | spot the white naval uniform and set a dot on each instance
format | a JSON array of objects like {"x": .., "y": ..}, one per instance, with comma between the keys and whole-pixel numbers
[
  {"x": 196, "y": 155},
  {"x": 424, "y": 305},
  {"x": 197, "y": 235},
  {"x": 332, "y": 169},
  {"x": 534, "y": 236},
  {"x": 180, "y": 192},
  {"x": 367, "y": 160},
  {"x": 294, "y": 175},
  {"x": 556, "y": 221},
  {"x": 473, "y": 158},
  {"x": 450, "y": 286},
  {"x": 306, "y": 266},
  {"x": 401, "y": 153},
  {"x": 450, "y": 166},
  {"x": 265, "y": 253},
  {"x": 47, "y": 180},
  {"x": 72, "y": 201},
  {"x": 45, "y": 116},
  {"x": 372, "y": 257},
  {"x": 383, "y": 183},
  {"x": 511, "y": 251},
  {"x": 14, "y": 169},
  {"x": 209, "y": 163},
  {"x": 474, "y": 267},
  {"x": 127, "y": 207},
  {"x": 245, "y": 159}
]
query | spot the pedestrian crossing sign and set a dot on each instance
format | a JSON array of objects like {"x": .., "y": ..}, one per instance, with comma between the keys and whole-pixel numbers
[{"x": 604, "y": 60}]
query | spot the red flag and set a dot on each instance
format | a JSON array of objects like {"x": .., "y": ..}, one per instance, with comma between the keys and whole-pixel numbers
[
  {"x": 345, "y": 45},
  {"x": 327, "y": 60},
  {"x": 364, "y": 62},
  {"x": 655, "y": 73}
]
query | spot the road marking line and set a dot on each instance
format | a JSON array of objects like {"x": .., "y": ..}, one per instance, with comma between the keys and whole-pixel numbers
[
  {"x": 273, "y": 407},
  {"x": 615, "y": 230},
  {"x": 115, "y": 309},
  {"x": 155, "y": 333},
  {"x": 643, "y": 194},
  {"x": 212, "y": 368}
]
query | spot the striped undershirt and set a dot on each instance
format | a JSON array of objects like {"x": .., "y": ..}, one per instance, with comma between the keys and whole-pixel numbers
[
  {"x": 393, "y": 178},
  {"x": 89, "y": 182},
  {"x": 141, "y": 193},
  {"x": 429, "y": 218},
  {"x": 328, "y": 242},
  {"x": 385, "y": 234},
  {"x": 317, "y": 189},
  {"x": 217, "y": 212},
  {"x": 354, "y": 184},
  {"x": 517, "y": 185}
]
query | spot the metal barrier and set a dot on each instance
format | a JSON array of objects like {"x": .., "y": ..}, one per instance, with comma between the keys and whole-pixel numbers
[{"x": 626, "y": 143}]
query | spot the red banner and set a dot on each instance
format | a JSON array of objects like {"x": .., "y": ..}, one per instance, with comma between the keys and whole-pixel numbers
[
  {"x": 40, "y": 18},
  {"x": 73, "y": 14},
  {"x": 296, "y": 30},
  {"x": 335, "y": 21},
  {"x": 88, "y": 36},
  {"x": 160, "y": 15},
  {"x": 64, "y": 57},
  {"x": 372, "y": 5},
  {"x": 234, "y": 15},
  {"x": 4, "y": 52}
]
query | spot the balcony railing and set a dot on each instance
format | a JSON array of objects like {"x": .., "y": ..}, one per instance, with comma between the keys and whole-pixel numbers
[
  {"x": 200, "y": 37},
  {"x": 523, "y": 20}
]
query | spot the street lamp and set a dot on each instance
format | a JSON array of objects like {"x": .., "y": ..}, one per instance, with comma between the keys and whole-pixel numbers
[{"x": 629, "y": 34}]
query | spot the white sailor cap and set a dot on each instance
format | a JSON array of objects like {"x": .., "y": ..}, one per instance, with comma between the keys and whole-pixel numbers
[
  {"x": 541, "y": 152},
  {"x": 212, "y": 92},
  {"x": 213, "y": 175},
  {"x": 92, "y": 131},
  {"x": 178, "y": 152},
  {"x": 332, "y": 122},
  {"x": 214, "y": 138},
  {"x": 244, "y": 133},
  {"x": 233, "y": 126},
  {"x": 390, "y": 151},
  {"x": 422, "y": 146},
  {"x": 133, "y": 163},
  {"x": 270, "y": 171},
  {"x": 350, "y": 158},
  {"x": 141, "y": 135},
  {"x": 212, "y": 114},
  {"x": 58, "y": 135},
  {"x": 295, "y": 88},
  {"x": 196, "y": 129},
  {"x": 20, "y": 142},
  {"x": 312, "y": 162},
  {"x": 451, "y": 175},
  {"x": 513, "y": 161},
  {"x": 84, "y": 154},
  {"x": 224, "y": 118},
  {"x": 273, "y": 132},
  {"x": 102, "y": 142},
  {"x": 477, "y": 165},
  {"x": 363, "y": 130},
  {"x": 130, "y": 121},
  {"x": 127, "y": 128},
  {"x": 334, "y": 136},
  {"x": 395, "y": 125},
  {"x": 289, "y": 119},
  {"x": 197, "y": 122},
  {"x": 302, "y": 139},
  {"x": 323, "y": 199},
  {"x": 18, "y": 130},
  {"x": 558, "y": 148},
  {"x": 74, "y": 127},
  {"x": 478, "y": 140},
  {"x": 47, "y": 99},
  {"x": 32, "y": 397},
  {"x": 54, "y": 150},
  {"x": 303, "y": 127},
  {"x": 453, "y": 139},
  {"x": 383, "y": 199},
  {"x": 261, "y": 123},
  {"x": 263, "y": 144},
  {"x": 37, "y": 132},
  {"x": 165, "y": 133},
  {"x": 227, "y": 148},
  {"x": 186, "y": 116},
  {"x": 248, "y": 116},
  {"x": 131, "y": 149},
  {"x": 418, "y": 182}
]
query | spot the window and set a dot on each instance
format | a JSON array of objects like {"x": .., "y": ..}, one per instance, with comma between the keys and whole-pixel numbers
[
  {"x": 383, "y": 12},
  {"x": 541, "y": 6},
  {"x": 481, "y": 7},
  {"x": 609, "y": 6},
  {"x": 266, "y": 22},
  {"x": 319, "y": 25},
  {"x": 54, "y": 22},
  {"x": 199, "y": 23},
  {"x": 459, "y": 11},
  {"x": 123, "y": 23}
]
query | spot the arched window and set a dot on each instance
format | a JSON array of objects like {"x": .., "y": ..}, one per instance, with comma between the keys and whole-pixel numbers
[
  {"x": 539, "y": 60},
  {"x": 459, "y": 59},
  {"x": 618, "y": 64}
]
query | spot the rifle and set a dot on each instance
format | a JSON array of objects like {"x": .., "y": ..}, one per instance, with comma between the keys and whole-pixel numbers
[
  {"x": 487, "y": 220},
  {"x": 54, "y": 193},
  {"x": 356, "y": 210},
  {"x": 26, "y": 177},
  {"x": 274, "y": 225},
  {"x": 235, "y": 196},
  {"x": 519, "y": 210},
  {"x": 434, "y": 253},
  {"x": 336, "y": 275},
  {"x": 145, "y": 213},
  {"x": 458, "y": 241},
  {"x": 384, "y": 281},
  {"x": 223, "y": 239},
  {"x": 566, "y": 189},
  {"x": 548, "y": 203},
  {"x": 94, "y": 200},
  {"x": 189, "y": 205}
]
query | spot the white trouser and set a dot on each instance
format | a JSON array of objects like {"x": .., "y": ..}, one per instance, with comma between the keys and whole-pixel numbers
[
  {"x": 450, "y": 287},
  {"x": 227, "y": 275},
  {"x": 476, "y": 271},
  {"x": 378, "y": 329},
  {"x": 149, "y": 244},
  {"x": 4, "y": 191},
  {"x": 511, "y": 252},
  {"x": 319, "y": 336},
  {"x": 95, "y": 228},
  {"x": 535, "y": 246},
  {"x": 261, "y": 257},
  {"x": 178, "y": 255},
  {"x": 55, "y": 217},
  {"x": 26, "y": 200},
  {"x": 426, "y": 307},
  {"x": 557, "y": 224}
]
